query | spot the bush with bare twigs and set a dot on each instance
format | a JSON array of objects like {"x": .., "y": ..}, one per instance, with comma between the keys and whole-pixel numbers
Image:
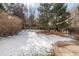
[{"x": 9, "y": 25}]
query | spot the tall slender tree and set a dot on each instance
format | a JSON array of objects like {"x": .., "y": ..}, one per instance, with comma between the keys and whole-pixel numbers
[
  {"x": 31, "y": 15},
  {"x": 44, "y": 15}
]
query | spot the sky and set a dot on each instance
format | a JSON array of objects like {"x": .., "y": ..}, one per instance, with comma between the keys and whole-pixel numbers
[{"x": 72, "y": 6}]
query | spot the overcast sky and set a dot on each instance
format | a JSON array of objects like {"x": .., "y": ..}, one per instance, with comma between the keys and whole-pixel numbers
[{"x": 72, "y": 6}]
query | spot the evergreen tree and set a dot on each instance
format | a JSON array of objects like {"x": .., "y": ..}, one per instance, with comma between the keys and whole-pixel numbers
[
  {"x": 78, "y": 7},
  {"x": 1, "y": 7},
  {"x": 60, "y": 15},
  {"x": 44, "y": 15}
]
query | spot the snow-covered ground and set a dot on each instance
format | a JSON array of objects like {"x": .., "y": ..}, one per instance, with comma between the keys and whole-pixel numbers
[{"x": 27, "y": 43}]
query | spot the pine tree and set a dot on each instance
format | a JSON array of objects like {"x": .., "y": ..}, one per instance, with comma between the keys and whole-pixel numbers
[
  {"x": 1, "y": 7},
  {"x": 77, "y": 7},
  {"x": 60, "y": 15},
  {"x": 44, "y": 15},
  {"x": 56, "y": 13}
]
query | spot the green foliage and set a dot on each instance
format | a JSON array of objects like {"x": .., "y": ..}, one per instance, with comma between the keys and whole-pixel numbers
[
  {"x": 63, "y": 25},
  {"x": 78, "y": 7},
  {"x": 56, "y": 12},
  {"x": 44, "y": 24},
  {"x": 60, "y": 15},
  {"x": 44, "y": 15},
  {"x": 1, "y": 7}
]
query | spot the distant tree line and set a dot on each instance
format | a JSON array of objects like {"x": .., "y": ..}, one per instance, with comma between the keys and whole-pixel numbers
[{"x": 51, "y": 15}]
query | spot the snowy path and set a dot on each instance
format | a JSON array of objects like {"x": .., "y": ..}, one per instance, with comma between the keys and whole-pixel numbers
[{"x": 28, "y": 43}]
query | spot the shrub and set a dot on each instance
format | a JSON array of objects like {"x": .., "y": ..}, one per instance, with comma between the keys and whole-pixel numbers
[{"x": 9, "y": 25}]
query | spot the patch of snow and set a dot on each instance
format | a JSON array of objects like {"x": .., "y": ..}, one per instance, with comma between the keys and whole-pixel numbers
[{"x": 27, "y": 43}]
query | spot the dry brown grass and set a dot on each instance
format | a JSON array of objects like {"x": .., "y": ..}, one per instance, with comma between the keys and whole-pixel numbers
[
  {"x": 65, "y": 48},
  {"x": 51, "y": 32},
  {"x": 46, "y": 32},
  {"x": 9, "y": 25}
]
